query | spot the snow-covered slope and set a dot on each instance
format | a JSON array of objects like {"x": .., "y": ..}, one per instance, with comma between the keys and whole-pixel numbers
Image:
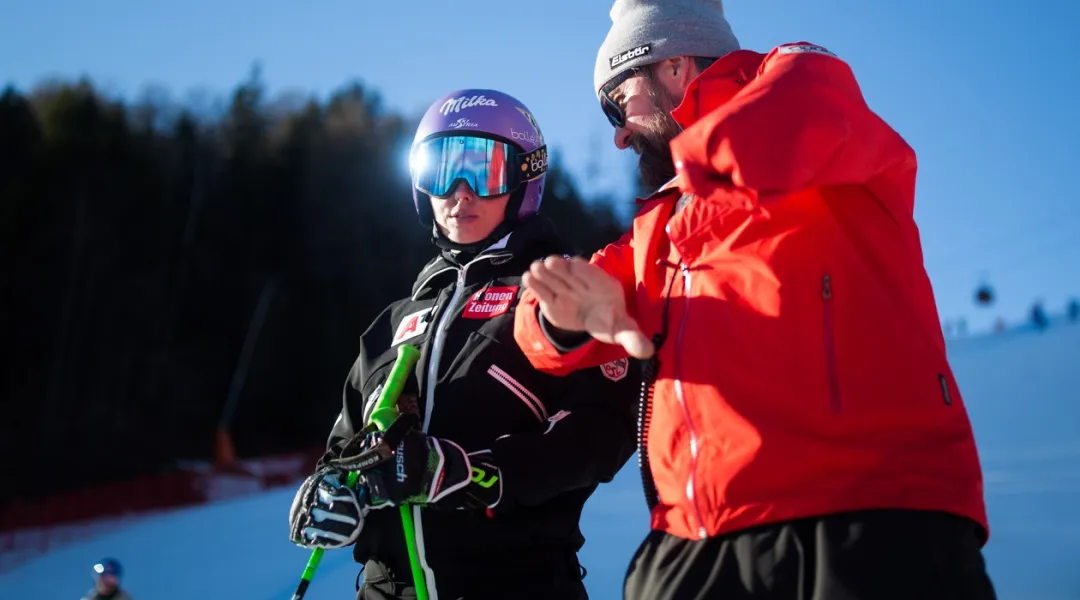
[{"x": 1020, "y": 386}]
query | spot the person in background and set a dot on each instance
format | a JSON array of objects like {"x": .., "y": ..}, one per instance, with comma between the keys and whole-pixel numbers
[
  {"x": 495, "y": 458},
  {"x": 107, "y": 575},
  {"x": 1038, "y": 316},
  {"x": 804, "y": 435}
]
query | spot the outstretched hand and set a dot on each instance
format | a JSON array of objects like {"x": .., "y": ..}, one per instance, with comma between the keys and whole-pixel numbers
[{"x": 576, "y": 295}]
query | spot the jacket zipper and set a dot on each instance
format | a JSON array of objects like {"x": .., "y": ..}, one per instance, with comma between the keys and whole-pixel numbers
[
  {"x": 830, "y": 344},
  {"x": 945, "y": 395},
  {"x": 437, "y": 345},
  {"x": 447, "y": 316},
  {"x": 691, "y": 496},
  {"x": 429, "y": 406},
  {"x": 515, "y": 387}
]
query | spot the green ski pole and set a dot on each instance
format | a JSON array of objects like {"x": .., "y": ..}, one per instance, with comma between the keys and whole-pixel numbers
[{"x": 382, "y": 416}]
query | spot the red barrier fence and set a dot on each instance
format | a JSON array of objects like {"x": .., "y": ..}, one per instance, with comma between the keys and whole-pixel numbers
[{"x": 29, "y": 529}]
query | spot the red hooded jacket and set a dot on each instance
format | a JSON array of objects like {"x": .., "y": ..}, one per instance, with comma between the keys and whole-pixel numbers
[{"x": 804, "y": 370}]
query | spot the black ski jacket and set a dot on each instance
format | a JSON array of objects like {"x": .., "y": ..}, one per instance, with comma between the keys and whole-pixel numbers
[{"x": 554, "y": 438}]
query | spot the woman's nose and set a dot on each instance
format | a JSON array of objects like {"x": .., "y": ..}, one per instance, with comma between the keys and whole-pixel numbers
[{"x": 463, "y": 192}]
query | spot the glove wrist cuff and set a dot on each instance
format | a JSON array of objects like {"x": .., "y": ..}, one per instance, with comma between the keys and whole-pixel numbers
[
  {"x": 452, "y": 471},
  {"x": 485, "y": 488},
  {"x": 469, "y": 481}
]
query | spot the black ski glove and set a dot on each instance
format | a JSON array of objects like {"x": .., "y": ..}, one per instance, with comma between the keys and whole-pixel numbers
[
  {"x": 427, "y": 470},
  {"x": 326, "y": 513}
]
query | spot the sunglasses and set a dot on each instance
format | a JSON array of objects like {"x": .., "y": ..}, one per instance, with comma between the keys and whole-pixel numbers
[
  {"x": 615, "y": 113},
  {"x": 492, "y": 167}
]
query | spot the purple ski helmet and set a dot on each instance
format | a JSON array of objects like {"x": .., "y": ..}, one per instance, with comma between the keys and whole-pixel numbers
[{"x": 515, "y": 161}]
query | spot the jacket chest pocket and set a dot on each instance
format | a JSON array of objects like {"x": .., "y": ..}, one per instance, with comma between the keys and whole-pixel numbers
[
  {"x": 484, "y": 374},
  {"x": 509, "y": 374},
  {"x": 493, "y": 381},
  {"x": 530, "y": 401}
]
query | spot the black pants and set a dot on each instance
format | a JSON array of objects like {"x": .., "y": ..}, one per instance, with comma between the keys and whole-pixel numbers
[
  {"x": 867, "y": 555},
  {"x": 559, "y": 579}
]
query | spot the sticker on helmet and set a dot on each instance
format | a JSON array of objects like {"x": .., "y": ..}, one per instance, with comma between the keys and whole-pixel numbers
[
  {"x": 460, "y": 103},
  {"x": 462, "y": 122},
  {"x": 538, "y": 138}
]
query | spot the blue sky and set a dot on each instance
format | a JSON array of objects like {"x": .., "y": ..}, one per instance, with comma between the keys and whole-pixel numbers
[{"x": 984, "y": 91}]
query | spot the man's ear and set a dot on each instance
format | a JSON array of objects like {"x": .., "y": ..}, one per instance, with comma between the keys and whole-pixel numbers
[{"x": 676, "y": 73}]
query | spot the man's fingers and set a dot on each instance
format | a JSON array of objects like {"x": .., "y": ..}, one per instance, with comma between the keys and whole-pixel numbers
[
  {"x": 635, "y": 343},
  {"x": 564, "y": 276},
  {"x": 543, "y": 292},
  {"x": 630, "y": 337},
  {"x": 579, "y": 273},
  {"x": 554, "y": 277}
]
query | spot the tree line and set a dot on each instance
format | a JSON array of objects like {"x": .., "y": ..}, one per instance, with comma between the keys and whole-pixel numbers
[{"x": 142, "y": 247}]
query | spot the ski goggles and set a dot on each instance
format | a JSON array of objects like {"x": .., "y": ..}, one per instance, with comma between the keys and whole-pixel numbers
[
  {"x": 615, "y": 113},
  {"x": 490, "y": 166}
]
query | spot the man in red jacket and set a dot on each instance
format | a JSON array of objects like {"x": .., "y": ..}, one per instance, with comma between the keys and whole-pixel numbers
[{"x": 803, "y": 436}]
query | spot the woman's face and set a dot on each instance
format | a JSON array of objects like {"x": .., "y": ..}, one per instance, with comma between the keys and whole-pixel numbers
[{"x": 465, "y": 218}]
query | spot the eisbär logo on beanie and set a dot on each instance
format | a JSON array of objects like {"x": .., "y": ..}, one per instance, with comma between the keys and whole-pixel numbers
[{"x": 635, "y": 52}]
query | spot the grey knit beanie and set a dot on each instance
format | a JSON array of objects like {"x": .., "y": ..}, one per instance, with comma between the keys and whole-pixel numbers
[{"x": 648, "y": 31}]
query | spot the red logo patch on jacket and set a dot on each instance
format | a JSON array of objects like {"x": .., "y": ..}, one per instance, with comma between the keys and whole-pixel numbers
[
  {"x": 616, "y": 369},
  {"x": 490, "y": 302},
  {"x": 411, "y": 326}
]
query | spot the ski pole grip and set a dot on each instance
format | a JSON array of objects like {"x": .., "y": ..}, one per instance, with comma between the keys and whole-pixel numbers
[{"x": 385, "y": 410}]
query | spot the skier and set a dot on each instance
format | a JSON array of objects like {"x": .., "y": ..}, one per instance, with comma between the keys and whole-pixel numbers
[
  {"x": 1038, "y": 316},
  {"x": 808, "y": 438},
  {"x": 541, "y": 443},
  {"x": 107, "y": 574}
]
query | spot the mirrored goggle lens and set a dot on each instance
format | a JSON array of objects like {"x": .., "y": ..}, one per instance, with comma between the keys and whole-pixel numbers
[
  {"x": 613, "y": 112},
  {"x": 488, "y": 166}
]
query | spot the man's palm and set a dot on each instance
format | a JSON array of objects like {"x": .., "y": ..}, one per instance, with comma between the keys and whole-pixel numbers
[{"x": 575, "y": 295}]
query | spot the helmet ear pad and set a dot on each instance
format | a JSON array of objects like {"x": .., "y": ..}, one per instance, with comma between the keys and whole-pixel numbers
[{"x": 424, "y": 213}]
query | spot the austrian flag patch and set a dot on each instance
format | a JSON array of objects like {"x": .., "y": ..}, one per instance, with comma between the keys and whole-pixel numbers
[
  {"x": 490, "y": 302},
  {"x": 411, "y": 326}
]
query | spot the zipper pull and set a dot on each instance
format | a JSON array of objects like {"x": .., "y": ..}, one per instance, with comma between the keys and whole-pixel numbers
[{"x": 826, "y": 287}]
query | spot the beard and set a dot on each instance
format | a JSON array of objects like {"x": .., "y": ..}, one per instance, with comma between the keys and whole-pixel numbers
[{"x": 655, "y": 165}]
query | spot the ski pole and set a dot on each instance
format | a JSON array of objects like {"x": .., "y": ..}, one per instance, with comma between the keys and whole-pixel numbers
[{"x": 382, "y": 416}]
